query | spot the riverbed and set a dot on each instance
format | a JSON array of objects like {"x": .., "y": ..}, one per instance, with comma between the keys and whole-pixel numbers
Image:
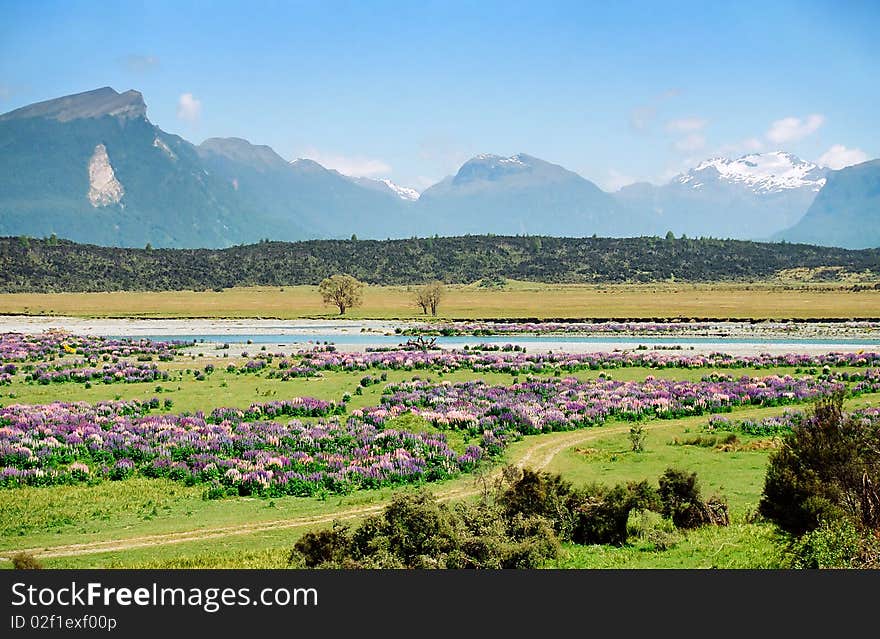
[{"x": 252, "y": 335}]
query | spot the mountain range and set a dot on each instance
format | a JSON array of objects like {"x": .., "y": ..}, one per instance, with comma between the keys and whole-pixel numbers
[{"x": 91, "y": 167}]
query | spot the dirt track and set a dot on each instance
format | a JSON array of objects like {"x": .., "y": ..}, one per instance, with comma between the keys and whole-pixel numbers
[{"x": 537, "y": 456}]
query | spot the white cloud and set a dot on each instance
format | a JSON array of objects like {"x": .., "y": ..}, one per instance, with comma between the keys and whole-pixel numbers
[
  {"x": 355, "y": 166},
  {"x": 641, "y": 118},
  {"x": 615, "y": 180},
  {"x": 838, "y": 156},
  {"x": 444, "y": 153},
  {"x": 749, "y": 145},
  {"x": 137, "y": 63},
  {"x": 423, "y": 182},
  {"x": 690, "y": 143},
  {"x": 189, "y": 108},
  {"x": 792, "y": 129},
  {"x": 686, "y": 125}
]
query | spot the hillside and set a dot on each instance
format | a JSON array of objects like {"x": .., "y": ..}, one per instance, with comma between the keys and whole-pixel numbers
[
  {"x": 521, "y": 194},
  {"x": 846, "y": 212},
  {"x": 59, "y": 265},
  {"x": 754, "y": 197},
  {"x": 93, "y": 168}
]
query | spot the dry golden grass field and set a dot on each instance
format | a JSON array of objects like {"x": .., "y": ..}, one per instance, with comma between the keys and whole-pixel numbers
[{"x": 515, "y": 300}]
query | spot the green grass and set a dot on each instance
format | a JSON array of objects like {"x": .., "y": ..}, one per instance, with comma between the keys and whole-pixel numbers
[
  {"x": 60, "y": 515},
  {"x": 739, "y": 545},
  {"x": 86, "y": 510},
  {"x": 736, "y": 475},
  {"x": 230, "y": 389},
  {"x": 242, "y": 389}
]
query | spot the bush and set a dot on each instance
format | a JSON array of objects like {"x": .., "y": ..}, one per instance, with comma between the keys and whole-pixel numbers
[
  {"x": 637, "y": 436},
  {"x": 25, "y": 561},
  {"x": 518, "y": 525},
  {"x": 681, "y": 502},
  {"x": 827, "y": 468},
  {"x": 834, "y": 544},
  {"x": 535, "y": 494},
  {"x": 324, "y": 547},
  {"x": 652, "y": 528},
  {"x": 601, "y": 514},
  {"x": 416, "y": 531}
]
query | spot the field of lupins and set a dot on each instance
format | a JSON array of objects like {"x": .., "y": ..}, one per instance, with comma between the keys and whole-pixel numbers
[
  {"x": 19, "y": 347},
  {"x": 615, "y": 328},
  {"x": 75, "y": 442},
  {"x": 775, "y": 425},
  {"x": 307, "y": 446},
  {"x": 519, "y": 362}
]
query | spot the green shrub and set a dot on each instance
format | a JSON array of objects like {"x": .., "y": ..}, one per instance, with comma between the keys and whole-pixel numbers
[
  {"x": 324, "y": 547},
  {"x": 834, "y": 544},
  {"x": 652, "y": 528},
  {"x": 637, "y": 436},
  {"x": 25, "y": 561},
  {"x": 681, "y": 502},
  {"x": 416, "y": 531},
  {"x": 536, "y": 494},
  {"x": 418, "y": 528},
  {"x": 827, "y": 468},
  {"x": 601, "y": 513}
]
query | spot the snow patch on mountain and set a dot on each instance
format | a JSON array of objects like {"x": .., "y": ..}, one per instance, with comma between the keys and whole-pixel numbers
[
  {"x": 104, "y": 188},
  {"x": 159, "y": 144},
  {"x": 385, "y": 185},
  {"x": 513, "y": 159},
  {"x": 403, "y": 192},
  {"x": 761, "y": 172}
]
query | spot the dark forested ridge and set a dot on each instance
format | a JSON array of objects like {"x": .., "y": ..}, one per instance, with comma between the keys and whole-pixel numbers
[{"x": 32, "y": 265}]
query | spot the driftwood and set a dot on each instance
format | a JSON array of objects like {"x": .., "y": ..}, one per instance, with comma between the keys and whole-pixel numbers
[
  {"x": 421, "y": 343},
  {"x": 695, "y": 514}
]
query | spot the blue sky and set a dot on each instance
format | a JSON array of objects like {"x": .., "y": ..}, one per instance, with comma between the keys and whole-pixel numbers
[{"x": 618, "y": 92}]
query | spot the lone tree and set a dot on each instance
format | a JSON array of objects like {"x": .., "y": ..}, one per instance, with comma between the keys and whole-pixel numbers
[
  {"x": 342, "y": 291},
  {"x": 428, "y": 296}
]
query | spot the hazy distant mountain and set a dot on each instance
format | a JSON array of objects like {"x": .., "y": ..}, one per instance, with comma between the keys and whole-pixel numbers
[
  {"x": 751, "y": 197},
  {"x": 302, "y": 199},
  {"x": 91, "y": 167},
  {"x": 387, "y": 186},
  {"x": 845, "y": 213},
  {"x": 520, "y": 194},
  {"x": 91, "y": 104}
]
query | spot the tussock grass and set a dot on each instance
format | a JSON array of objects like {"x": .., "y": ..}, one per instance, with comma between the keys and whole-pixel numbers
[{"x": 765, "y": 300}]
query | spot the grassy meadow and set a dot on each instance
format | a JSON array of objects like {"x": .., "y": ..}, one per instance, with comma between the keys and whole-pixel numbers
[
  {"x": 159, "y": 523},
  {"x": 760, "y": 300}
]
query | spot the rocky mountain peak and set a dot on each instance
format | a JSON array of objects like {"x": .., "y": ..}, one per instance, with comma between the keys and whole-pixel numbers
[{"x": 90, "y": 104}]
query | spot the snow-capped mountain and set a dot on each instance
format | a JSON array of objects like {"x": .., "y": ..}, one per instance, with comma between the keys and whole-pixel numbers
[
  {"x": 760, "y": 172},
  {"x": 91, "y": 167},
  {"x": 302, "y": 199},
  {"x": 751, "y": 197},
  {"x": 403, "y": 192},
  {"x": 386, "y": 185},
  {"x": 519, "y": 194}
]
